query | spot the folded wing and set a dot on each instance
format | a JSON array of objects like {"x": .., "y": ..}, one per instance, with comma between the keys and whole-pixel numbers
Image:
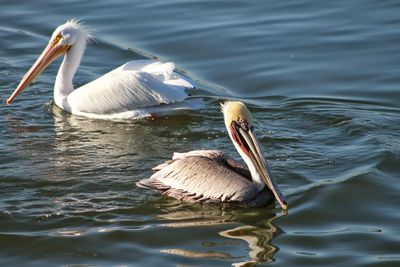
[
  {"x": 136, "y": 84},
  {"x": 202, "y": 178}
]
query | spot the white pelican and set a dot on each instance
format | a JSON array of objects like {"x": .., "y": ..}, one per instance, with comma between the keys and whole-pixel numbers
[
  {"x": 209, "y": 176},
  {"x": 126, "y": 92}
]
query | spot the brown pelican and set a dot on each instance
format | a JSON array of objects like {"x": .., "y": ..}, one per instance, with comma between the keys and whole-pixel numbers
[{"x": 209, "y": 176}]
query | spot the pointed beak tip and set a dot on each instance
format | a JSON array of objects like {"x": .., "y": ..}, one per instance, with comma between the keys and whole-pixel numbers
[
  {"x": 284, "y": 205},
  {"x": 8, "y": 102},
  {"x": 282, "y": 202}
]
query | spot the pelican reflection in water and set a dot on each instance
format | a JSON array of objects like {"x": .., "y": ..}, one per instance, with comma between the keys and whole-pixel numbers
[
  {"x": 249, "y": 236},
  {"x": 209, "y": 176}
]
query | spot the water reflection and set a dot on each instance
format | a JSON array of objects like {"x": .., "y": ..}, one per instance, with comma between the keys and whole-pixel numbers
[
  {"x": 112, "y": 144},
  {"x": 253, "y": 228},
  {"x": 93, "y": 165},
  {"x": 258, "y": 240},
  {"x": 195, "y": 254}
]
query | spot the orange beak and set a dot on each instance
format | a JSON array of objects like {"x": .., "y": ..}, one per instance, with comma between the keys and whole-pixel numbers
[{"x": 49, "y": 54}]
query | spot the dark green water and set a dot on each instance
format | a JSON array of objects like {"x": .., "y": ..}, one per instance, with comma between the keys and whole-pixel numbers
[{"x": 321, "y": 79}]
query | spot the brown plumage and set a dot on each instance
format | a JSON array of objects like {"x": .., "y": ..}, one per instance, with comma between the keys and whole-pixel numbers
[
  {"x": 209, "y": 176},
  {"x": 199, "y": 176}
]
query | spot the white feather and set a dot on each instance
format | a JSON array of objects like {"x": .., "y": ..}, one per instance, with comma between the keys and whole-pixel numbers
[
  {"x": 119, "y": 91},
  {"x": 124, "y": 92},
  {"x": 198, "y": 153}
]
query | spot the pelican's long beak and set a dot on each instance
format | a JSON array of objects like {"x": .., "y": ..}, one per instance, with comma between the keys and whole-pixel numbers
[
  {"x": 49, "y": 54},
  {"x": 247, "y": 141}
]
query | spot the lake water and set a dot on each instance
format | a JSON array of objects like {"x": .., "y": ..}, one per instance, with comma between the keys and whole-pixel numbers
[{"x": 321, "y": 79}]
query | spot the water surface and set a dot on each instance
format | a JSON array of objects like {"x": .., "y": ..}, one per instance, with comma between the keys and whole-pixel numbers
[{"x": 321, "y": 79}]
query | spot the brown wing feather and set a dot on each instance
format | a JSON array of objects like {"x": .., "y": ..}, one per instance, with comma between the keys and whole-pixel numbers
[
  {"x": 203, "y": 179},
  {"x": 237, "y": 167}
]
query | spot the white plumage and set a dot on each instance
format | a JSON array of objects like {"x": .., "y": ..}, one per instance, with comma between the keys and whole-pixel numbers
[{"x": 135, "y": 89}]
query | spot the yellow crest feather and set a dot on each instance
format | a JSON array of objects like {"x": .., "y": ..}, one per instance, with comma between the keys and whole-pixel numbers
[{"x": 233, "y": 110}]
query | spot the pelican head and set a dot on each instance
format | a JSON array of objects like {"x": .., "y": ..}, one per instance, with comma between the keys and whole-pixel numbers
[
  {"x": 239, "y": 124},
  {"x": 66, "y": 36}
]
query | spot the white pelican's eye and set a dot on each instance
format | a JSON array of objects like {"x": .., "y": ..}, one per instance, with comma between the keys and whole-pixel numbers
[{"x": 57, "y": 39}]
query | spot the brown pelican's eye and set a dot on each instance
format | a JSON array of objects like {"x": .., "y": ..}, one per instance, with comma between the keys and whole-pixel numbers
[{"x": 244, "y": 124}]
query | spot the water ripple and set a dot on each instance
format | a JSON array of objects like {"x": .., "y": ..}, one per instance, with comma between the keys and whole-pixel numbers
[{"x": 321, "y": 80}]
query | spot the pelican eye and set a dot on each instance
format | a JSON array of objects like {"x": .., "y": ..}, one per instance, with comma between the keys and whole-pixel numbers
[
  {"x": 243, "y": 123},
  {"x": 57, "y": 39}
]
